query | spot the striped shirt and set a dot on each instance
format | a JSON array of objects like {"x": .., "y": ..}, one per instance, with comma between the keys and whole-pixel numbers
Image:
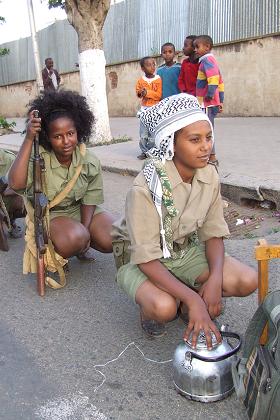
[{"x": 209, "y": 82}]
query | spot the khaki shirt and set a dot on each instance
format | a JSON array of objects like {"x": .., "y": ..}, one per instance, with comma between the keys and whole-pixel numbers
[
  {"x": 88, "y": 188},
  {"x": 6, "y": 160},
  {"x": 200, "y": 209}
]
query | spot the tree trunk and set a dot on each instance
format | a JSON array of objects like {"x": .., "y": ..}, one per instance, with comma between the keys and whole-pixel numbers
[{"x": 87, "y": 17}]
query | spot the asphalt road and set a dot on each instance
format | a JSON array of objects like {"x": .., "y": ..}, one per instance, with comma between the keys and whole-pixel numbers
[{"x": 49, "y": 346}]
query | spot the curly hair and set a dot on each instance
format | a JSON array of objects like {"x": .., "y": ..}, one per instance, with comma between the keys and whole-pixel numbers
[{"x": 65, "y": 103}]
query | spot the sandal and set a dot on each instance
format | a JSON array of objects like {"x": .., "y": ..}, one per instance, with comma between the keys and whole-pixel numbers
[
  {"x": 4, "y": 246},
  {"x": 16, "y": 232},
  {"x": 87, "y": 256},
  {"x": 152, "y": 328},
  {"x": 142, "y": 156}
]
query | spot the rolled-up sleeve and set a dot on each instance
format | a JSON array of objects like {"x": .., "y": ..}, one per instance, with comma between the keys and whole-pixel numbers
[
  {"x": 94, "y": 192},
  {"x": 143, "y": 226},
  {"x": 214, "y": 225},
  {"x": 28, "y": 190}
]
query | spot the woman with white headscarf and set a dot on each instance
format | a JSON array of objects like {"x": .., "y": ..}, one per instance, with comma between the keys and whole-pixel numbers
[{"x": 169, "y": 247}]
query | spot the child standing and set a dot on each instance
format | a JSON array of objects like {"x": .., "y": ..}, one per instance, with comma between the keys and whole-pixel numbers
[
  {"x": 149, "y": 89},
  {"x": 209, "y": 85},
  {"x": 169, "y": 71},
  {"x": 189, "y": 68}
]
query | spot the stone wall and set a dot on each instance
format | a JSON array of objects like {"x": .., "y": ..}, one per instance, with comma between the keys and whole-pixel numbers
[{"x": 250, "y": 70}]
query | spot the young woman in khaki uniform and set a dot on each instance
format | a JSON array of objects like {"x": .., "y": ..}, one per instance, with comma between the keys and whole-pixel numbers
[
  {"x": 169, "y": 247},
  {"x": 77, "y": 222}
]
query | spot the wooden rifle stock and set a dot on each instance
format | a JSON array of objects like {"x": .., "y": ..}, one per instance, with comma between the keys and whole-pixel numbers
[{"x": 40, "y": 206}]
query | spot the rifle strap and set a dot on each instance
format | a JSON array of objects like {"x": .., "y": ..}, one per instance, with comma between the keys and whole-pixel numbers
[
  {"x": 60, "y": 196},
  {"x": 49, "y": 280},
  {"x": 53, "y": 261}
]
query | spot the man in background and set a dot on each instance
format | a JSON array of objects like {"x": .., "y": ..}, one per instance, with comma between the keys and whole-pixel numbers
[{"x": 51, "y": 77}]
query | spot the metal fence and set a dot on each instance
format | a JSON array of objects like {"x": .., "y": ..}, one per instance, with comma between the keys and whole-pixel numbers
[
  {"x": 135, "y": 28},
  {"x": 58, "y": 41}
]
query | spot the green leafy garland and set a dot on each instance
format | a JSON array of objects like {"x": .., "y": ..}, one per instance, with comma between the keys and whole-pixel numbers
[{"x": 168, "y": 202}]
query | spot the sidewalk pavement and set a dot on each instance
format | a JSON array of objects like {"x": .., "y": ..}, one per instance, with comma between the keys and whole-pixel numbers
[{"x": 247, "y": 149}]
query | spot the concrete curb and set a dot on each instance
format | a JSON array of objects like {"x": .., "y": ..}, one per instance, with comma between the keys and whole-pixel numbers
[
  {"x": 241, "y": 188},
  {"x": 236, "y": 188}
]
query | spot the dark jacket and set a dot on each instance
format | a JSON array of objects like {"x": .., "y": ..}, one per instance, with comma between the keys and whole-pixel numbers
[{"x": 47, "y": 81}]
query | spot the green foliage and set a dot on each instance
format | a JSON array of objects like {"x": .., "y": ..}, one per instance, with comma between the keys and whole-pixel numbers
[
  {"x": 4, "y": 51},
  {"x": 5, "y": 124},
  {"x": 56, "y": 3},
  {"x": 250, "y": 235}
]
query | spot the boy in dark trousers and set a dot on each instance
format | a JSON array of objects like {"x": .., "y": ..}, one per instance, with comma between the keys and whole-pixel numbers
[
  {"x": 50, "y": 76},
  {"x": 209, "y": 85},
  {"x": 149, "y": 89},
  {"x": 169, "y": 71},
  {"x": 189, "y": 68}
]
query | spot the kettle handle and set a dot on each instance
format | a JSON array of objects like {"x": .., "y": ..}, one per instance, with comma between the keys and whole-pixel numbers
[{"x": 224, "y": 356}]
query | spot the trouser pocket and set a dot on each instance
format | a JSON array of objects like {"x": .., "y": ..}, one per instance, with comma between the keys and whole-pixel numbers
[{"x": 121, "y": 253}]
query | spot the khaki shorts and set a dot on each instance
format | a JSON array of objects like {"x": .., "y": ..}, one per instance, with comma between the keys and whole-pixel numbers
[
  {"x": 72, "y": 212},
  {"x": 186, "y": 269}
]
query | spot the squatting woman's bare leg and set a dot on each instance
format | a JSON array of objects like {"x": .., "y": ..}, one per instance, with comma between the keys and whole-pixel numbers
[
  {"x": 100, "y": 232},
  {"x": 68, "y": 236}
]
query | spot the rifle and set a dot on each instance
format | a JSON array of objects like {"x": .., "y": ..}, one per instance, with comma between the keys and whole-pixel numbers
[{"x": 40, "y": 206}]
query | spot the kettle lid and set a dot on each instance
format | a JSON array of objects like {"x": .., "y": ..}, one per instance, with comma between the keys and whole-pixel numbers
[{"x": 201, "y": 340}]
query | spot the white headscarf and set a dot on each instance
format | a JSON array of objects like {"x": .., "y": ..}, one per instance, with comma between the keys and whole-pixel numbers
[{"x": 163, "y": 120}]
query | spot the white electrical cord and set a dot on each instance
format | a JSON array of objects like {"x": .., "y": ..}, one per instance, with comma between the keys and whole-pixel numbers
[{"x": 116, "y": 358}]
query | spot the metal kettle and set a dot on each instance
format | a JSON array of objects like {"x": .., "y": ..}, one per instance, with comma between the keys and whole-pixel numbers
[{"x": 205, "y": 375}]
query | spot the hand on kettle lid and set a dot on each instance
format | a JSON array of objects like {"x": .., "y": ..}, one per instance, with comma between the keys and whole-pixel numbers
[
  {"x": 200, "y": 322},
  {"x": 201, "y": 342}
]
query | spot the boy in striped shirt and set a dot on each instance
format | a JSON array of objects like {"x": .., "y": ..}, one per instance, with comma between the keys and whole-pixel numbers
[{"x": 209, "y": 84}]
